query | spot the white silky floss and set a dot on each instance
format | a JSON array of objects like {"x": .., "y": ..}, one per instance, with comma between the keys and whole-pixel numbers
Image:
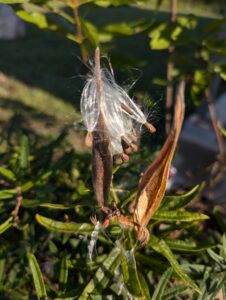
[
  {"x": 117, "y": 122},
  {"x": 120, "y": 113},
  {"x": 89, "y": 103}
]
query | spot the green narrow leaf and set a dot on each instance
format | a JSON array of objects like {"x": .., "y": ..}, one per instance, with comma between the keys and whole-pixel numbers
[
  {"x": 224, "y": 244},
  {"x": 124, "y": 266},
  {"x": 219, "y": 217},
  {"x": 4, "y": 226},
  {"x": 217, "y": 258},
  {"x": 160, "y": 288},
  {"x": 204, "y": 285},
  {"x": 30, "y": 203},
  {"x": 183, "y": 216},
  {"x": 27, "y": 186},
  {"x": 189, "y": 22},
  {"x": 103, "y": 274},
  {"x": 35, "y": 18},
  {"x": 53, "y": 206},
  {"x": 220, "y": 69},
  {"x": 144, "y": 285},
  {"x": 161, "y": 247},
  {"x": 7, "y": 194},
  {"x": 222, "y": 130},
  {"x": 57, "y": 206},
  {"x": 90, "y": 32},
  {"x": 129, "y": 198},
  {"x": 52, "y": 247},
  {"x": 64, "y": 227},
  {"x": 37, "y": 277},
  {"x": 122, "y": 28},
  {"x": 2, "y": 270},
  {"x": 7, "y": 174},
  {"x": 173, "y": 292},
  {"x": 179, "y": 201},
  {"x": 201, "y": 81},
  {"x": 24, "y": 152},
  {"x": 14, "y": 1},
  {"x": 164, "y": 35},
  {"x": 220, "y": 284},
  {"x": 188, "y": 246},
  {"x": 131, "y": 276},
  {"x": 195, "y": 269},
  {"x": 63, "y": 274},
  {"x": 158, "y": 40},
  {"x": 154, "y": 263},
  {"x": 224, "y": 290},
  {"x": 126, "y": 28}
]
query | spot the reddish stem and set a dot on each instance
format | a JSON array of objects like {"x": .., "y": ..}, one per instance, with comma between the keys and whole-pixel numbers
[
  {"x": 79, "y": 31},
  {"x": 15, "y": 212},
  {"x": 169, "y": 73}
]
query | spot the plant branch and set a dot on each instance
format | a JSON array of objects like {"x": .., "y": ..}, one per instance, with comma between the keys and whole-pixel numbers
[
  {"x": 15, "y": 212},
  {"x": 215, "y": 122},
  {"x": 218, "y": 168},
  {"x": 79, "y": 31},
  {"x": 169, "y": 74}
]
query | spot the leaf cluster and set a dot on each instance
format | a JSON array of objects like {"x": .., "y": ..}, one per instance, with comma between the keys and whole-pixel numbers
[{"x": 48, "y": 240}]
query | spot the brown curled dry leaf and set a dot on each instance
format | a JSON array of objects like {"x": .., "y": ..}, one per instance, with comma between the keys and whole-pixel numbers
[
  {"x": 101, "y": 154},
  {"x": 152, "y": 186}
]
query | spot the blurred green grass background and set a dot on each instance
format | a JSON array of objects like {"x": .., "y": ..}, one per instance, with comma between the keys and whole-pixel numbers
[{"x": 42, "y": 74}]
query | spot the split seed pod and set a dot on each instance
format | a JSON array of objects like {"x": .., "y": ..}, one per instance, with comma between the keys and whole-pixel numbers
[
  {"x": 113, "y": 122},
  {"x": 153, "y": 183}
]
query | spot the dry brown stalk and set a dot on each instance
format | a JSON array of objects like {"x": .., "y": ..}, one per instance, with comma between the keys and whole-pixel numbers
[
  {"x": 101, "y": 155},
  {"x": 84, "y": 53},
  {"x": 214, "y": 121},
  {"x": 169, "y": 73},
  {"x": 218, "y": 168}
]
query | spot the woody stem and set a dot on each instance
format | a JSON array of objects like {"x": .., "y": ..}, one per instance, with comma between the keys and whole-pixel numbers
[
  {"x": 169, "y": 73},
  {"x": 79, "y": 31}
]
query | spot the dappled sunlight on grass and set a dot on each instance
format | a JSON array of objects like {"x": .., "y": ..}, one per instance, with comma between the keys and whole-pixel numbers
[{"x": 32, "y": 109}]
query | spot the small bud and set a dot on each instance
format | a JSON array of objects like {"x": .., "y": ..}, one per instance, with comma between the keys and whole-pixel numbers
[
  {"x": 89, "y": 139},
  {"x": 125, "y": 157},
  {"x": 150, "y": 127},
  {"x": 134, "y": 147}
]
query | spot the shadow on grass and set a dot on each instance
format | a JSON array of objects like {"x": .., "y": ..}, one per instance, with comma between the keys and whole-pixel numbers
[
  {"x": 18, "y": 118},
  {"x": 19, "y": 108},
  {"x": 52, "y": 62}
]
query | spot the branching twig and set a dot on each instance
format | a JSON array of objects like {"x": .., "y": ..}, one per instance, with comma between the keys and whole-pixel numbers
[{"x": 169, "y": 73}]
